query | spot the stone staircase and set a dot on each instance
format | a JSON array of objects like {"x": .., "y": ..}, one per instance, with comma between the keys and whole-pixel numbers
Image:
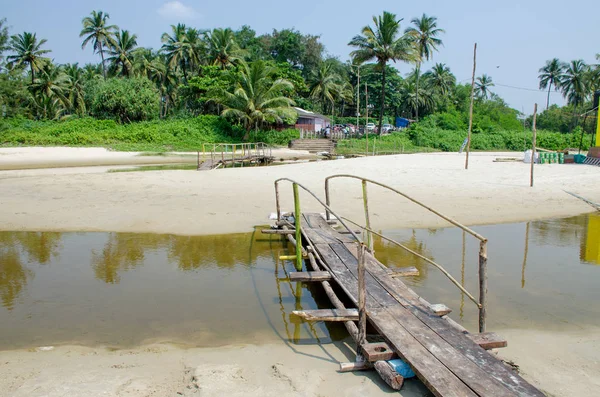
[{"x": 313, "y": 145}]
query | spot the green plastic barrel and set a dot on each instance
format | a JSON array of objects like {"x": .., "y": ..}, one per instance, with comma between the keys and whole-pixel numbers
[{"x": 561, "y": 158}]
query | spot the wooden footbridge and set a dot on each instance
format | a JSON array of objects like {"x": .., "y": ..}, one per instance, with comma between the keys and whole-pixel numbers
[
  {"x": 446, "y": 357},
  {"x": 223, "y": 154}
]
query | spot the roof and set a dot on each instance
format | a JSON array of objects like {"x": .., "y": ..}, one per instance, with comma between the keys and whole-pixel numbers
[{"x": 309, "y": 115}]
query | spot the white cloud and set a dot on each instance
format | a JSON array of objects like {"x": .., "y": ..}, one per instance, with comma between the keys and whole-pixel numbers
[{"x": 177, "y": 10}]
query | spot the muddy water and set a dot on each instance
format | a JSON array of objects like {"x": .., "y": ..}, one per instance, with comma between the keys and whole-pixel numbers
[{"x": 120, "y": 289}]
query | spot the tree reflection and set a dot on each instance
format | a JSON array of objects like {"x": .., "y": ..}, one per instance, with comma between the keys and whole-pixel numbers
[{"x": 393, "y": 256}]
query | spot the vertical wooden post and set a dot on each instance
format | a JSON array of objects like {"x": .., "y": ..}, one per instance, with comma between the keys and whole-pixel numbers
[
  {"x": 471, "y": 107},
  {"x": 357, "y": 98},
  {"x": 277, "y": 201},
  {"x": 367, "y": 219},
  {"x": 482, "y": 285},
  {"x": 525, "y": 256},
  {"x": 533, "y": 145},
  {"x": 198, "y": 160},
  {"x": 327, "y": 200},
  {"x": 362, "y": 300},
  {"x": 367, "y": 113},
  {"x": 297, "y": 216}
]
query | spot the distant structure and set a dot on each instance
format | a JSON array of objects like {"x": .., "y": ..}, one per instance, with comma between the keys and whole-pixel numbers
[
  {"x": 310, "y": 121},
  {"x": 595, "y": 149}
]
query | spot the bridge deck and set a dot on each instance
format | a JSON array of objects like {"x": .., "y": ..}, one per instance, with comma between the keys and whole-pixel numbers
[{"x": 444, "y": 358}]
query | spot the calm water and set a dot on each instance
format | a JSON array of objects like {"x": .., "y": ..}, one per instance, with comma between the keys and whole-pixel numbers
[{"x": 121, "y": 289}]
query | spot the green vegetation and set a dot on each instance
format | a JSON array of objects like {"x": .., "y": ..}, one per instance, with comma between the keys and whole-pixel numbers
[{"x": 225, "y": 85}]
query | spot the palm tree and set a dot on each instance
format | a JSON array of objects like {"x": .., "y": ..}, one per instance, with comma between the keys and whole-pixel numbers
[
  {"x": 256, "y": 99},
  {"x": 75, "y": 88},
  {"x": 551, "y": 74},
  {"x": 573, "y": 83},
  {"x": 51, "y": 82},
  {"x": 424, "y": 35},
  {"x": 3, "y": 39},
  {"x": 382, "y": 43},
  {"x": 440, "y": 79},
  {"x": 90, "y": 71},
  {"x": 324, "y": 85},
  {"x": 482, "y": 86},
  {"x": 142, "y": 59},
  {"x": 166, "y": 80},
  {"x": 28, "y": 51},
  {"x": 96, "y": 30},
  {"x": 121, "y": 53},
  {"x": 181, "y": 48},
  {"x": 222, "y": 47}
]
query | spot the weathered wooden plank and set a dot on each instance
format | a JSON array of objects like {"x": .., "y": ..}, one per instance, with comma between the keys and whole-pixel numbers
[
  {"x": 439, "y": 309},
  {"x": 310, "y": 276},
  {"x": 327, "y": 314},
  {"x": 490, "y": 364},
  {"x": 322, "y": 227},
  {"x": 488, "y": 340},
  {"x": 277, "y": 231},
  {"x": 439, "y": 379}
]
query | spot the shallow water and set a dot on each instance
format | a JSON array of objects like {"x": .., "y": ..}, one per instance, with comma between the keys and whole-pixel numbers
[{"x": 124, "y": 289}]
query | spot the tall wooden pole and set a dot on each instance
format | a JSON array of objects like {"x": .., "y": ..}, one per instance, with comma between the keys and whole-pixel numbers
[
  {"x": 471, "y": 107},
  {"x": 367, "y": 113},
  {"x": 533, "y": 145},
  {"x": 297, "y": 215},
  {"x": 357, "y": 99},
  {"x": 362, "y": 300}
]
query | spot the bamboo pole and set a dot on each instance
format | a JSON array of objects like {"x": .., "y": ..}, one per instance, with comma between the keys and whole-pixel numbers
[
  {"x": 297, "y": 216},
  {"x": 277, "y": 201},
  {"x": 367, "y": 121},
  {"x": 367, "y": 219},
  {"x": 482, "y": 285},
  {"x": 533, "y": 145},
  {"x": 471, "y": 106}
]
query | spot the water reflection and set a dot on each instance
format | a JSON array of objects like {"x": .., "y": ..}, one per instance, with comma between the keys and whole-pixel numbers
[{"x": 394, "y": 256}]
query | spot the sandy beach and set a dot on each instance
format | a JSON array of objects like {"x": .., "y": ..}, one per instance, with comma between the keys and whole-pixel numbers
[{"x": 565, "y": 363}]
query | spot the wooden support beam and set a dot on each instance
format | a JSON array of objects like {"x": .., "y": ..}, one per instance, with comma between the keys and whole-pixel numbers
[
  {"x": 328, "y": 314},
  {"x": 389, "y": 375},
  {"x": 378, "y": 351},
  {"x": 310, "y": 276},
  {"x": 440, "y": 309},
  {"x": 277, "y": 231},
  {"x": 355, "y": 366},
  {"x": 403, "y": 271},
  {"x": 488, "y": 340}
]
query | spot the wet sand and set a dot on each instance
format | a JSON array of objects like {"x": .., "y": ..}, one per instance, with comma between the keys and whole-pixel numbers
[{"x": 233, "y": 200}]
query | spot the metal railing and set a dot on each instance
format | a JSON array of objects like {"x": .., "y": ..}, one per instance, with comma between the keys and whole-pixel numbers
[
  {"x": 481, "y": 303},
  {"x": 233, "y": 152}
]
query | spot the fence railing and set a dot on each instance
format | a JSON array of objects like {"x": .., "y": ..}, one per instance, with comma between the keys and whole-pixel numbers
[
  {"x": 234, "y": 151},
  {"x": 481, "y": 302}
]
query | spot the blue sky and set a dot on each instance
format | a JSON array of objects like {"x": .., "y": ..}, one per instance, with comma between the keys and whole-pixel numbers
[{"x": 514, "y": 38}]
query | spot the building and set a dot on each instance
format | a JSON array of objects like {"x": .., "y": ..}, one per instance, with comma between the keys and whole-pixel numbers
[{"x": 309, "y": 121}]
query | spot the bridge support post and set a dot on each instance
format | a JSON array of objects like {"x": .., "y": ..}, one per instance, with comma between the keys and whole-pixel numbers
[
  {"x": 362, "y": 300},
  {"x": 297, "y": 216},
  {"x": 482, "y": 285},
  {"x": 368, "y": 221}
]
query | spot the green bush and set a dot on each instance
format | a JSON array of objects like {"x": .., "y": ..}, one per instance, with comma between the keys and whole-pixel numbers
[
  {"x": 125, "y": 100},
  {"x": 275, "y": 138}
]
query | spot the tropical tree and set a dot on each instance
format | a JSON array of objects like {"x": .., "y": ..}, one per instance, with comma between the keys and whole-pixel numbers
[
  {"x": 482, "y": 86},
  {"x": 222, "y": 47},
  {"x": 551, "y": 75},
  {"x": 382, "y": 43},
  {"x": 90, "y": 71},
  {"x": 166, "y": 80},
  {"x": 52, "y": 83},
  {"x": 573, "y": 83},
  {"x": 183, "y": 48},
  {"x": 4, "y": 36},
  {"x": 440, "y": 79},
  {"x": 99, "y": 33},
  {"x": 121, "y": 53},
  {"x": 325, "y": 85},
  {"x": 74, "y": 87},
  {"x": 27, "y": 50},
  {"x": 424, "y": 34},
  {"x": 256, "y": 99}
]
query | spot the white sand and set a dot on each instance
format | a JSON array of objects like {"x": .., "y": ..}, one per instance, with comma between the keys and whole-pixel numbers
[{"x": 234, "y": 200}]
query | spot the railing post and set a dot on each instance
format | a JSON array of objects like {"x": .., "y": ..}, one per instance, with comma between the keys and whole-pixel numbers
[
  {"x": 327, "y": 199},
  {"x": 362, "y": 301},
  {"x": 198, "y": 160},
  {"x": 482, "y": 284},
  {"x": 367, "y": 219},
  {"x": 277, "y": 201},
  {"x": 297, "y": 216}
]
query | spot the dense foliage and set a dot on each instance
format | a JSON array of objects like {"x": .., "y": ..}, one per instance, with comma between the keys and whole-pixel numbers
[{"x": 244, "y": 85}]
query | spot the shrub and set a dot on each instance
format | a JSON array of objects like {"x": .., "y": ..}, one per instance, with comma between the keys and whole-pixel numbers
[{"x": 125, "y": 100}]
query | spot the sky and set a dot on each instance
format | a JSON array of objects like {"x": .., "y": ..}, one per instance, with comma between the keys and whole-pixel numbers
[{"x": 514, "y": 38}]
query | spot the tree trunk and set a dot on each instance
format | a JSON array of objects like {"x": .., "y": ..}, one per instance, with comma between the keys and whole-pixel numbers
[
  {"x": 382, "y": 106},
  {"x": 184, "y": 71},
  {"x": 417, "y": 92},
  {"x": 548, "y": 99},
  {"x": 103, "y": 66},
  {"x": 32, "y": 73}
]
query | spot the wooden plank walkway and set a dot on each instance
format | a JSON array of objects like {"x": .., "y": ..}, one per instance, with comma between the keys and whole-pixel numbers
[
  {"x": 210, "y": 164},
  {"x": 444, "y": 358}
]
